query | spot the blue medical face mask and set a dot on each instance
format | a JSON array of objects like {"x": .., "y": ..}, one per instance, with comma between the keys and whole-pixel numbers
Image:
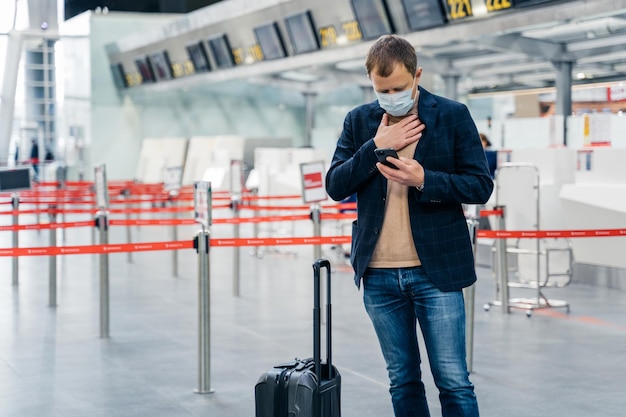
[{"x": 397, "y": 104}]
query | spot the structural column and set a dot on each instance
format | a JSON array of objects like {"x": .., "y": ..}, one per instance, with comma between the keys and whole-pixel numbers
[
  {"x": 452, "y": 86},
  {"x": 310, "y": 117},
  {"x": 41, "y": 93},
  {"x": 564, "y": 92}
]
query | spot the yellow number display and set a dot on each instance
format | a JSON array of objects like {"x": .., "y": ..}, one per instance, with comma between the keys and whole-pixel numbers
[
  {"x": 495, "y": 5},
  {"x": 352, "y": 31},
  {"x": 188, "y": 67},
  {"x": 133, "y": 79},
  {"x": 239, "y": 54},
  {"x": 328, "y": 36},
  {"x": 459, "y": 9},
  {"x": 177, "y": 70},
  {"x": 255, "y": 52}
]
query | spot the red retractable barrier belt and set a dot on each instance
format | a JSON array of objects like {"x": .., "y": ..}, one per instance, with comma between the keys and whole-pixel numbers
[
  {"x": 281, "y": 241},
  {"x": 505, "y": 234},
  {"x": 111, "y": 248},
  {"x": 45, "y": 226},
  {"x": 156, "y": 246}
]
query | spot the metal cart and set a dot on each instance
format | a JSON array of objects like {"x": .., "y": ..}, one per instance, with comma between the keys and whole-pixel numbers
[{"x": 537, "y": 263}]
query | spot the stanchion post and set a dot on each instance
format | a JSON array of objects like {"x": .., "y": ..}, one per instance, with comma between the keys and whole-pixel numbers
[
  {"x": 469, "y": 294},
  {"x": 255, "y": 227},
  {"x": 37, "y": 215},
  {"x": 52, "y": 261},
  {"x": 172, "y": 196},
  {"x": 235, "y": 202},
  {"x": 502, "y": 267},
  {"x": 316, "y": 216},
  {"x": 202, "y": 214},
  {"x": 204, "y": 313},
  {"x": 15, "y": 203},
  {"x": 102, "y": 223},
  {"x": 129, "y": 236},
  {"x": 61, "y": 174},
  {"x": 94, "y": 207}
]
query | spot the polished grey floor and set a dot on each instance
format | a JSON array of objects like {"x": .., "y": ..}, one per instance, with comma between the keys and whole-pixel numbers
[{"x": 53, "y": 362}]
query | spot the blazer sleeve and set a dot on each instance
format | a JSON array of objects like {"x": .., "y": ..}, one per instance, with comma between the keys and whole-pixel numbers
[{"x": 354, "y": 161}]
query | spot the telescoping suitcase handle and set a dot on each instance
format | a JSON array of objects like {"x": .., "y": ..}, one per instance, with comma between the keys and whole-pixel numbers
[{"x": 317, "y": 332}]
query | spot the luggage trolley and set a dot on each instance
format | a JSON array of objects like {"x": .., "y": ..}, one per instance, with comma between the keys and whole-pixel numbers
[{"x": 538, "y": 263}]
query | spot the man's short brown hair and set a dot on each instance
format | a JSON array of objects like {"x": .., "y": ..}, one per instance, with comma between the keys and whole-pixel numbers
[{"x": 386, "y": 52}]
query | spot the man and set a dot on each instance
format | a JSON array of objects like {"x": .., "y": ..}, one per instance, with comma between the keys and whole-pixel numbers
[{"x": 410, "y": 244}]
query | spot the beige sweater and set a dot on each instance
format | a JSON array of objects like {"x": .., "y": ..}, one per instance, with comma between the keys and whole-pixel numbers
[{"x": 395, "y": 247}]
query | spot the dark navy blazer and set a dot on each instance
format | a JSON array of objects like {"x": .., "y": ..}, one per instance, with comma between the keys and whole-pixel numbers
[{"x": 456, "y": 172}]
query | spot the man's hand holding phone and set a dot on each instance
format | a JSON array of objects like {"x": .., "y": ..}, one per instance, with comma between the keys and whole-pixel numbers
[
  {"x": 408, "y": 171},
  {"x": 383, "y": 153}
]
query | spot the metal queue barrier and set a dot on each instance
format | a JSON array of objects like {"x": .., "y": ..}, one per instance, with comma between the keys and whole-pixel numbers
[
  {"x": 500, "y": 266},
  {"x": 102, "y": 224},
  {"x": 469, "y": 296},
  {"x": 202, "y": 243},
  {"x": 202, "y": 215},
  {"x": 539, "y": 262},
  {"x": 15, "y": 204},
  {"x": 52, "y": 262}
]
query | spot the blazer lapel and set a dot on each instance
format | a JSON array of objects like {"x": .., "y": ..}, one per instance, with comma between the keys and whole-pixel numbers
[{"x": 427, "y": 113}]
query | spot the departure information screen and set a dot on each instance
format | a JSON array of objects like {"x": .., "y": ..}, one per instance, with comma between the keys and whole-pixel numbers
[
  {"x": 270, "y": 41},
  {"x": 302, "y": 32},
  {"x": 373, "y": 18},
  {"x": 423, "y": 14},
  {"x": 370, "y": 19}
]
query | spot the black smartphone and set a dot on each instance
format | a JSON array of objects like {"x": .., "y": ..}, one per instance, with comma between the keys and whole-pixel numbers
[{"x": 383, "y": 153}]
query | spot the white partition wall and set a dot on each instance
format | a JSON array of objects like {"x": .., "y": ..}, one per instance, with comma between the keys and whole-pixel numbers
[
  {"x": 277, "y": 170},
  {"x": 208, "y": 159},
  {"x": 597, "y": 200},
  {"x": 542, "y": 132},
  {"x": 199, "y": 157},
  {"x": 158, "y": 154},
  {"x": 556, "y": 167}
]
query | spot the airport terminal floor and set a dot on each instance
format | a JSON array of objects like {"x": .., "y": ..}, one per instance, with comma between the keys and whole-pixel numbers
[{"x": 53, "y": 363}]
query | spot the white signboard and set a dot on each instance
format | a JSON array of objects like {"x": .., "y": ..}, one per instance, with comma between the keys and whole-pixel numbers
[
  {"x": 202, "y": 202},
  {"x": 172, "y": 178},
  {"x": 313, "y": 189},
  {"x": 101, "y": 187}
]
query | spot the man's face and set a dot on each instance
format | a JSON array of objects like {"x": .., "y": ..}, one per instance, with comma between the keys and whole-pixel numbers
[{"x": 399, "y": 80}]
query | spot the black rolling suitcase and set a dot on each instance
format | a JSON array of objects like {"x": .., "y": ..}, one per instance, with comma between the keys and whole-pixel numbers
[{"x": 304, "y": 388}]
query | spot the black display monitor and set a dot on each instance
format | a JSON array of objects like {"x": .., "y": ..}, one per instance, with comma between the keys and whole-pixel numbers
[
  {"x": 145, "y": 70},
  {"x": 161, "y": 66},
  {"x": 222, "y": 53},
  {"x": 198, "y": 56},
  {"x": 302, "y": 33},
  {"x": 119, "y": 76},
  {"x": 523, "y": 3},
  {"x": 15, "y": 179},
  {"x": 373, "y": 18},
  {"x": 270, "y": 41},
  {"x": 423, "y": 14}
]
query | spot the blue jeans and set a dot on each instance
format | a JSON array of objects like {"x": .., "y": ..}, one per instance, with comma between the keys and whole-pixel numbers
[{"x": 396, "y": 299}]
